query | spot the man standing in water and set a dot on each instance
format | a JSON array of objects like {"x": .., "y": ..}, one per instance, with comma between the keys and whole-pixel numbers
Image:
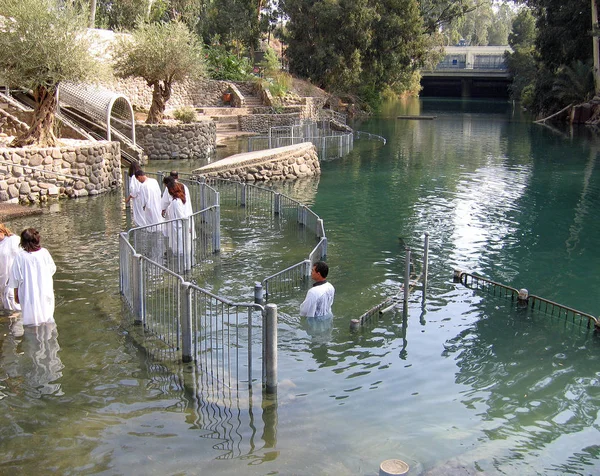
[
  {"x": 149, "y": 197},
  {"x": 319, "y": 298}
]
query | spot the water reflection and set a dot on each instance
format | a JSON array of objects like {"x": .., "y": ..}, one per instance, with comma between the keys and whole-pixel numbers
[{"x": 29, "y": 360}]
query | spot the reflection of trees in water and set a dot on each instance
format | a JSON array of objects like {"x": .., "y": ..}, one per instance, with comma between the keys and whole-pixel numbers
[
  {"x": 30, "y": 360},
  {"x": 532, "y": 373}
]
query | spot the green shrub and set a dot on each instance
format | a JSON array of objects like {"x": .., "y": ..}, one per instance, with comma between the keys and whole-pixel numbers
[
  {"x": 280, "y": 83},
  {"x": 270, "y": 63},
  {"x": 225, "y": 65},
  {"x": 185, "y": 114}
]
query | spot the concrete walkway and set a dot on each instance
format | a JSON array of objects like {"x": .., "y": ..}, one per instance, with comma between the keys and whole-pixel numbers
[{"x": 14, "y": 210}]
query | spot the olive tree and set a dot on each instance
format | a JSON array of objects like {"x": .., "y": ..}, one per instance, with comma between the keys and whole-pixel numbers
[
  {"x": 42, "y": 43},
  {"x": 161, "y": 54}
]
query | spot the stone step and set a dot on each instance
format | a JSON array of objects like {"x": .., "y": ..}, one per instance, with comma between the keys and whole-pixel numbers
[
  {"x": 225, "y": 119},
  {"x": 226, "y": 126}
]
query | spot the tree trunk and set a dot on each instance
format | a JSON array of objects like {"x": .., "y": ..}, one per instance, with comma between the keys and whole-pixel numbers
[
  {"x": 160, "y": 95},
  {"x": 41, "y": 130},
  {"x": 596, "y": 53},
  {"x": 93, "y": 14}
]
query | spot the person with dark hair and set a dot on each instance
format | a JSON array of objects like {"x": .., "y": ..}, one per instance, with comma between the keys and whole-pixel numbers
[
  {"x": 319, "y": 298},
  {"x": 149, "y": 196},
  {"x": 165, "y": 201},
  {"x": 9, "y": 248},
  {"x": 180, "y": 231},
  {"x": 137, "y": 212},
  {"x": 31, "y": 278}
]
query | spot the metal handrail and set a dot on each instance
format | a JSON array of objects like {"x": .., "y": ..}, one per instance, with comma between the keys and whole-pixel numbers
[{"x": 523, "y": 296}]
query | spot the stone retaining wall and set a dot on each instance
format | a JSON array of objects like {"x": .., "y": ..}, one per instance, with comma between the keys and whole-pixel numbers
[
  {"x": 177, "y": 141},
  {"x": 196, "y": 93},
  {"x": 284, "y": 163},
  {"x": 262, "y": 122},
  {"x": 76, "y": 170}
]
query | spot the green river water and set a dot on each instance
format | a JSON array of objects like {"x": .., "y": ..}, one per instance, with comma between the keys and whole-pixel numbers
[{"x": 469, "y": 383}]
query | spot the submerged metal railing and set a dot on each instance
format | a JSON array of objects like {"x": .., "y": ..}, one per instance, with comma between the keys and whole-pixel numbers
[
  {"x": 411, "y": 280},
  {"x": 156, "y": 263},
  {"x": 522, "y": 295},
  {"x": 329, "y": 143}
]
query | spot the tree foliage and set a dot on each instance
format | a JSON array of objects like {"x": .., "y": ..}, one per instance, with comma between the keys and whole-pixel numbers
[
  {"x": 522, "y": 62},
  {"x": 563, "y": 50},
  {"x": 359, "y": 46},
  {"x": 126, "y": 14},
  {"x": 42, "y": 44},
  {"x": 161, "y": 54}
]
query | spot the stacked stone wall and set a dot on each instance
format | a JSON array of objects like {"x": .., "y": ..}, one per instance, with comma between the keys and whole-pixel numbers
[
  {"x": 262, "y": 122},
  {"x": 177, "y": 141},
  {"x": 196, "y": 93},
  {"x": 284, "y": 163},
  {"x": 30, "y": 175}
]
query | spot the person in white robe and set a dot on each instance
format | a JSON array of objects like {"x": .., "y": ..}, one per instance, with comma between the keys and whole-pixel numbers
[
  {"x": 31, "y": 277},
  {"x": 9, "y": 248},
  {"x": 166, "y": 198},
  {"x": 137, "y": 211},
  {"x": 149, "y": 196},
  {"x": 319, "y": 298},
  {"x": 180, "y": 231}
]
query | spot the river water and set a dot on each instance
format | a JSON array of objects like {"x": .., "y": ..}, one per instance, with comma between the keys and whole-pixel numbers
[{"x": 468, "y": 382}]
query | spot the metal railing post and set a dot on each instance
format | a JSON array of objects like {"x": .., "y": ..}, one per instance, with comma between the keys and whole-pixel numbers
[
  {"x": 425, "y": 264},
  {"x": 217, "y": 229},
  {"x": 187, "y": 354},
  {"x": 187, "y": 244},
  {"x": 138, "y": 290},
  {"x": 258, "y": 293},
  {"x": 270, "y": 349},
  {"x": 320, "y": 228},
  {"x": 243, "y": 196},
  {"x": 307, "y": 268},
  {"x": 160, "y": 177},
  {"x": 277, "y": 204},
  {"x": 407, "y": 277},
  {"x": 249, "y": 347}
]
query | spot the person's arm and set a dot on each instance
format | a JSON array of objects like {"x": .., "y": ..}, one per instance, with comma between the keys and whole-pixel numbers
[{"x": 309, "y": 306}]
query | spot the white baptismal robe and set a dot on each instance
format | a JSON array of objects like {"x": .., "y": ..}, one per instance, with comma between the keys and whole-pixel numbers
[
  {"x": 31, "y": 274},
  {"x": 319, "y": 300},
  {"x": 166, "y": 200},
  {"x": 9, "y": 248},
  {"x": 137, "y": 207},
  {"x": 177, "y": 210},
  {"x": 150, "y": 198}
]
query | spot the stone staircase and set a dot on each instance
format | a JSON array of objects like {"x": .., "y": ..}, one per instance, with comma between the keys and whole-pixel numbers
[{"x": 226, "y": 117}]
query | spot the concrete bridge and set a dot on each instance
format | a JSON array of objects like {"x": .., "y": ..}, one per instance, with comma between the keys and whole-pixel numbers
[{"x": 468, "y": 71}]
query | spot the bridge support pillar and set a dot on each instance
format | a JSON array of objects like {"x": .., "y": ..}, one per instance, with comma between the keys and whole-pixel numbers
[{"x": 467, "y": 85}]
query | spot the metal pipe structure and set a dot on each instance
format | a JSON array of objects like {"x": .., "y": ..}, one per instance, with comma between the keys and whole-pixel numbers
[
  {"x": 425, "y": 265},
  {"x": 270, "y": 349},
  {"x": 407, "y": 277}
]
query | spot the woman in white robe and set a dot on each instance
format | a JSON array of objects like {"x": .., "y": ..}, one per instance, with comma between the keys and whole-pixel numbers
[
  {"x": 180, "y": 231},
  {"x": 9, "y": 248},
  {"x": 31, "y": 277}
]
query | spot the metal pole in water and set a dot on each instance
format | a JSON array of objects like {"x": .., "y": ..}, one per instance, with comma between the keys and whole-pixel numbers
[
  {"x": 186, "y": 323},
  {"x": 243, "y": 197},
  {"x": 270, "y": 346},
  {"x": 407, "y": 277},
  {"x": 217, "y": 229},
  {"x": 425, "y": 264},
  {"x": 258, "y": 293},
  {"x": 277, "y": 204}
]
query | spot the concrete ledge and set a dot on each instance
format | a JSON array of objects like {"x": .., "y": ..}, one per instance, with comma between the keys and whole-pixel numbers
[{"x": 284, "y": 163}]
